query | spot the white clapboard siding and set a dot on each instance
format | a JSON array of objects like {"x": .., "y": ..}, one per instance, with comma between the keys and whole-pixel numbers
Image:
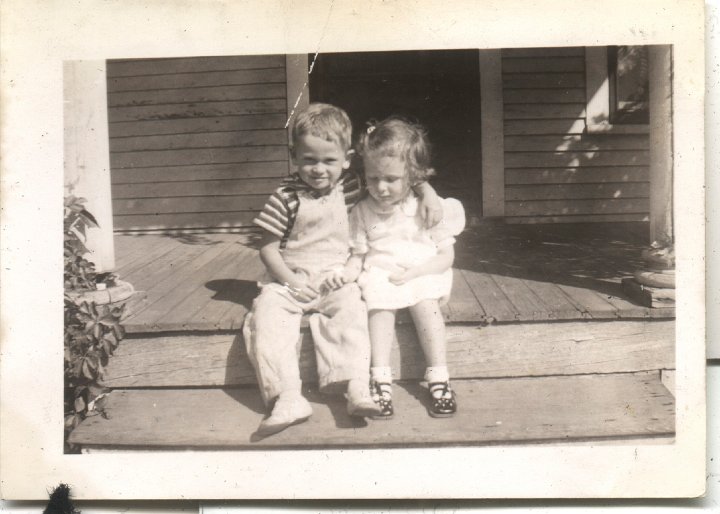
[
  {"x": 193, "y": 80},
  {"x": 554, "y": 171},
  {"x": 197, "y": 125},
  {"x": 584, "y": 175},
  {"x": 182, "y": 204},
  {"x": 243, "y": 170},
  {"x": 580, "y": 191},
  {"x": 197, "y": 142},
  {"x": 194, "y": 188}
]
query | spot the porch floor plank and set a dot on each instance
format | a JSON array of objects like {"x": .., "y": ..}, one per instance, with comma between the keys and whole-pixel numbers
[
  {"x": 503, "y": 273},
  {"x": 490, "y": 297},
  {"x": 556, "y": 302},
  {"x": 527, "y": 304},
  {"x": 127, "y": 252},
  {"x": 493, "y": 411},
  {"x": 463, "y": 305},
  {"x": 227, "y": 292},
  {"x": 239, "y": 294},
  {"x": 588, "y": 301},
  {"x": 501, "y": 350},
  {"x": 143, "y": 250},
  {"x": 176, "y": 285},
  {"x": 195, "y": 299},
  {"x": 154, "y": 270}
]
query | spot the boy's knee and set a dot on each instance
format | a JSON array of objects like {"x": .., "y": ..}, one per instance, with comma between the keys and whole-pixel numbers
[
  {"x": 268, "y": 301},
  {"x": 352, "y": 298},
  {"x": 352, "y": 292}
]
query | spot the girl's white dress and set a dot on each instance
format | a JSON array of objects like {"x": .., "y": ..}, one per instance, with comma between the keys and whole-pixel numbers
[{"x": 393, "y": 239}]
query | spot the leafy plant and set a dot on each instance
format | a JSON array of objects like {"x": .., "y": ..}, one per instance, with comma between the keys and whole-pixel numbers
[
  {"x": 79, "y": 272},
  {"x": 92, "y": 332}
]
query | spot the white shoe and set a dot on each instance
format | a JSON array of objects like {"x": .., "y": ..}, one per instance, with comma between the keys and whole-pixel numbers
[
  {"x": 287, "y": 411},
  {"x": 359, "y": 401}
]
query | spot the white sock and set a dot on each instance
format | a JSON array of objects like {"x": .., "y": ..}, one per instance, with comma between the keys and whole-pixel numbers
[
  {"x": 437, "y": 374},
  {"x": 381, "y": 374}
]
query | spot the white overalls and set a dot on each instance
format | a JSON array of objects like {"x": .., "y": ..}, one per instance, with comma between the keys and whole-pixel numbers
[{"x": 317, "y": 245}]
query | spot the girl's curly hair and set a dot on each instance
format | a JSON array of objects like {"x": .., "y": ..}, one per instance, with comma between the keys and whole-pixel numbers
[{"x": 398, "y": 137}]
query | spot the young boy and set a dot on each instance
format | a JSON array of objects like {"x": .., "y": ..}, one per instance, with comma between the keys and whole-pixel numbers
[{"x": 305, "y": 246}]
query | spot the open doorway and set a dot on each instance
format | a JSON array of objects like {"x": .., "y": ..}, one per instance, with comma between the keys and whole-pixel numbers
[{"x": 438, "y": 88}]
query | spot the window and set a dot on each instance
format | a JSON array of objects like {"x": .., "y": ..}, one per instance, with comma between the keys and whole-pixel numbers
[
  {"x": 628, "y": 81},
  {"x": 617, "y": 89}
]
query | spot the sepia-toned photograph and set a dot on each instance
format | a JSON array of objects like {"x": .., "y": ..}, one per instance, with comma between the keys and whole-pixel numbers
[
  {"x": 287, "y": 257},
  {"x": 240, "y": 191}
]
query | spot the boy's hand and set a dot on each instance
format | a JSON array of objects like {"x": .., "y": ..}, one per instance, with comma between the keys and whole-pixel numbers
[
  {"x": 301, "y": 290},
  {"x": 431, "y": 211},
  {"x": 431, "y": 215}
]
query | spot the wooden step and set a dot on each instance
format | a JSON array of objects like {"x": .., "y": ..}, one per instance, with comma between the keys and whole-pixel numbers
[
  {"x": 492, "y": 411},
  {"x": 512, "y": 350}
]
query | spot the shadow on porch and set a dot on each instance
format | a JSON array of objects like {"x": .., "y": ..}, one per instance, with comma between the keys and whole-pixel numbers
[{"x": 503, "y": 273}]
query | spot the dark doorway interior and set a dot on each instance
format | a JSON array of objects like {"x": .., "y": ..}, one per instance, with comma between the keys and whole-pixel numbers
[{"x": 438, "y": 88}]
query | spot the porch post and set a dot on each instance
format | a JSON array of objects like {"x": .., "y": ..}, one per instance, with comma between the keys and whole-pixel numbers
[
  {"x": 654, "y": 286},
  {"x": 87, "y": 154},
  {"x": 491, "y": 137},
  {"x": 661, "y": 158},
  {"x": 298, "y": 90}
]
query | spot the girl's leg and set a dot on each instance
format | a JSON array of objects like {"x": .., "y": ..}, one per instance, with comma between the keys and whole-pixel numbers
[
  {"x": 382, "y": 334},
  {"x": 430, "y": 328}
]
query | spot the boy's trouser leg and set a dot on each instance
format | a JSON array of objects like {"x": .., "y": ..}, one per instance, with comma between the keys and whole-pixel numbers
[
  {"x": 340, "y": 333},
  {"x": 271, "y": 332}
]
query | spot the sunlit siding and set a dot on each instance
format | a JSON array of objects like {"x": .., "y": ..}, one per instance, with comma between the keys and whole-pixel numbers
[
  {"x": 554, "y": 170},
  {"x": 195, "y": 142}
]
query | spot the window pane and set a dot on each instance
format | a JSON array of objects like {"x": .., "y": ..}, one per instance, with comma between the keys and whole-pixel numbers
[{"x": 629, "y": 84}]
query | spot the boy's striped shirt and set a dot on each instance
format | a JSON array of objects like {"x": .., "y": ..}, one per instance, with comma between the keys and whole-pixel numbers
[{"x": 280, "y": 211}]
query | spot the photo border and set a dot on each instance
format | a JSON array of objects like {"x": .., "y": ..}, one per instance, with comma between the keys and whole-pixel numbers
[{"x": 37, "y": 36}]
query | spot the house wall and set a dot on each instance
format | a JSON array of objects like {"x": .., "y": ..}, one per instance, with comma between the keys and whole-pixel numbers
[
  {"x": 193, "y": 141},
  {"x": 555, "y": 171},
  {"x": 198, "y": 143}
]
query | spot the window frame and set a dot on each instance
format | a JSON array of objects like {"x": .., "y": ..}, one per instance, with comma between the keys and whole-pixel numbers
[{"x": 597, "y": 108}]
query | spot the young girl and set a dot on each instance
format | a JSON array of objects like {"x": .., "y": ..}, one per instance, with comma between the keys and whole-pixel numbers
[{"x": 402, "y": 263}]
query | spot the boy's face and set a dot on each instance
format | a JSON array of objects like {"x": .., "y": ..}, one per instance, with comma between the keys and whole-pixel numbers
[{"x": 319, "y": 162}]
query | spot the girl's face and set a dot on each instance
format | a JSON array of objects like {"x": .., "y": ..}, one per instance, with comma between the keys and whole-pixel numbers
[{"x": 387, "y": 179}]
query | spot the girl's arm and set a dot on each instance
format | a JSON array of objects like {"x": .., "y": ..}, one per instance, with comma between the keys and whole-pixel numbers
[
  {"x": 358, "y": 247},
  {"x": 353, "y": 267},
  {"x": 431, "y": 211},
  {"x": 433, "y": 266},
  {"x": 275, "y": 264}
]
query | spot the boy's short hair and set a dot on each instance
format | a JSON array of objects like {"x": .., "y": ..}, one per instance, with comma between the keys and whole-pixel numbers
[
  {"x": 325, "y": 121},
  {"x": 398, "y": 137}
]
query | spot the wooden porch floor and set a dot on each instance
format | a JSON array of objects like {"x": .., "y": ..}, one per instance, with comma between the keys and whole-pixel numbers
[
  {"x": 504, "y": 273},
  {"x": 542, "y": 346}
]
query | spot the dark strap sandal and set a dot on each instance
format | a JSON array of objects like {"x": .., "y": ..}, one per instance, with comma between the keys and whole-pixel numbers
[
  {"x": 442, "y": 400},
  {"x": 381, "y": 393}
]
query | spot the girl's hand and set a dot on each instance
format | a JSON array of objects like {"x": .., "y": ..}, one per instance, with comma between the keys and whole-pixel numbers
[
  {"x": 341, "y": 277},
  {"x": 334, "y": 281},
  {"x": 401, "y": 277}
]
